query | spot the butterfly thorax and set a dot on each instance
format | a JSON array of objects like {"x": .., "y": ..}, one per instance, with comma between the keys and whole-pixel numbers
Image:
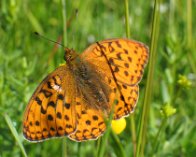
[{"x": 91, "y": 87}]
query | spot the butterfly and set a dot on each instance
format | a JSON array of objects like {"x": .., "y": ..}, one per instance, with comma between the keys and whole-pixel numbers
[{"x": 75, "y": 99}]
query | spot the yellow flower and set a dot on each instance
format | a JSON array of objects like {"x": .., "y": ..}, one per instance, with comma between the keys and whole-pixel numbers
[
  {"x": 168, "y": 110},
  {"x": 118, "y": 125},
  {"x": 184, "y": 81}
]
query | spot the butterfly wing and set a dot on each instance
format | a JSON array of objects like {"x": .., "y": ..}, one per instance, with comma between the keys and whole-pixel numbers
[
  {"x": 127, "y": 58},
  {"x": 50, "y": 112},
  {"x": 122, "y": 62},
  {"x": 90, "y": 122}
]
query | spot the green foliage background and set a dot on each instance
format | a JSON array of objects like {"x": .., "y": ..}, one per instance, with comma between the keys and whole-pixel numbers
[{"x": 24, "y": 61}]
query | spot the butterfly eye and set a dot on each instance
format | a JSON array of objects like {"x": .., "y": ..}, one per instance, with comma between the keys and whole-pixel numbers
[
  {"x": 70, "y": 54},
  {"x": 69, "y": 57}
]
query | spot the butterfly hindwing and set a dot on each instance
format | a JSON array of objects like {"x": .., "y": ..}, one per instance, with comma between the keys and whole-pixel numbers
[{"x": 91, "y": 124}]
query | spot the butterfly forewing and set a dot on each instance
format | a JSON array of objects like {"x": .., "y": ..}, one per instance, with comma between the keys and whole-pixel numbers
[
  {"x": 49, "y": 112},
  {"x": 125, "y": 60}
]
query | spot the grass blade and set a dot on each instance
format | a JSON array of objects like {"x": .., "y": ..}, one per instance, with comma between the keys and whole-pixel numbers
[{"x": 15, "y": 134}]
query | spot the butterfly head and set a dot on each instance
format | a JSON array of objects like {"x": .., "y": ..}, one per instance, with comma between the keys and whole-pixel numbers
[{"x": 70, "y": 54}]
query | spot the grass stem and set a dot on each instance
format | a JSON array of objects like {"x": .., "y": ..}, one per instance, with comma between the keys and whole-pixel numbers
[
  {"x": 127, "y": 27},
  {"x": 149, "y": 86},
  {"x": 64, "y": 17}
]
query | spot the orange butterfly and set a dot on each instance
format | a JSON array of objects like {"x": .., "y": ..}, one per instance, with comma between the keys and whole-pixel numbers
[{"x": 75, "y": 99}]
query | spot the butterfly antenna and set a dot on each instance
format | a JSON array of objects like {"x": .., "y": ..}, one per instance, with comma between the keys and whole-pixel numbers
[{"x": 39, "y": 35}]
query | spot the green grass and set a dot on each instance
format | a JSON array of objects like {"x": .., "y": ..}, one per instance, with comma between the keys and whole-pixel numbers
[{"x": 24, "y": 63}]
